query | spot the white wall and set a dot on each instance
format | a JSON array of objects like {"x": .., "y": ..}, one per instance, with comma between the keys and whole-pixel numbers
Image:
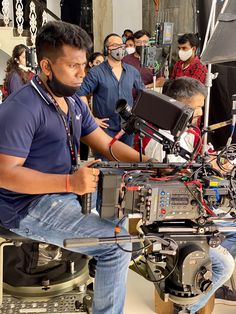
[
  {"x": 127, "y": 14},
  {"x": 54, "y": 6},
  {"x": 3, "y": 63}
]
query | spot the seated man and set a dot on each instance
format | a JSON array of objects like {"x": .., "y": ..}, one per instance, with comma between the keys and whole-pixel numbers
[
  {"x": 192, "y": 92},
  {"x": 41, "y": 183}
]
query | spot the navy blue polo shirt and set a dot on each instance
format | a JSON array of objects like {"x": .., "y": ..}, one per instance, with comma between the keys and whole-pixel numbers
[
  {"x": 31, "y": 128},
  {"x": 106, "y": 90}
]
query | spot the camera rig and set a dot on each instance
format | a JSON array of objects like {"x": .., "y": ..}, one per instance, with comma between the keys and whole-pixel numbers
[
  {"x": 179, "y": 221},
  {"x": 182, "y": 207}
]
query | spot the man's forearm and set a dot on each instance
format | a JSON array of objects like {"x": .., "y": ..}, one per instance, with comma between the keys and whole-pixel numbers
[
  {"x": 24, "y": 180},
  {"x": 125, "y": 153}
]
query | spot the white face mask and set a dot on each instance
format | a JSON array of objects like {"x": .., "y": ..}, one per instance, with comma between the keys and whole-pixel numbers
[
  {"x": 130, "y": 50},
  {"x": 185, "y": 55}
]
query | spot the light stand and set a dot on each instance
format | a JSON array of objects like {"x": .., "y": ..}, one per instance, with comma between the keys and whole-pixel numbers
[{"x": 209, "y": 77}]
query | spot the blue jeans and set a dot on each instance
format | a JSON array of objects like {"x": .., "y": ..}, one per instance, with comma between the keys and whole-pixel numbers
[
  {"x": 222, "y": 270},
  {"x": 230, "y": 241},
  {"x": 57, "y": 217}
]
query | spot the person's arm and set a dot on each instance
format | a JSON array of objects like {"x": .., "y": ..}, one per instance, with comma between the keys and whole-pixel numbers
[
  {"x": 138, "y": 83},
  {"x": 200, "y": 72},
  {"x": 101, "y": 122},
  {"x": 159, "y": 83},
  {"x": 99, "y": 141},
  {"x": 88, "y": 86},
  {"x": 173, "y": 73},
  {"x": 14, "y": 83},
  {"x": 15, "y": 177}
]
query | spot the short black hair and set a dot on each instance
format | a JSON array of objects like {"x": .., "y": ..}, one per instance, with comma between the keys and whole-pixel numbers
[
  {"x": 130, "y": 38},
  {"x": 127, "y": 30},
  {"x": 183, "y": 88},
  {"x": 141, "y": 33},
  {"x": 191, "y": 38},
  {"x": 107, "y": 38},
  {"x": 55, "y": 34}
]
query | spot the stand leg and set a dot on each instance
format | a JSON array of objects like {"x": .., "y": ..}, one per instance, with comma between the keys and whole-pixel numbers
[
  {"x": 209, "y": 307},
  {"x": 162, "y": 307}
]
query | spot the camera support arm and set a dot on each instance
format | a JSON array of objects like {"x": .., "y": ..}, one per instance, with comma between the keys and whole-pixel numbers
[{"x": 143, "y": 128}]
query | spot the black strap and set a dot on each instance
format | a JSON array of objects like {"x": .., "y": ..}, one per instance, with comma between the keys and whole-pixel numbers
[{"x": 69, "y": 128}]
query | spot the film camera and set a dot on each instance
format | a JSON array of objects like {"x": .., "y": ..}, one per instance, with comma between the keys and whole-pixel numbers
[{"x": 177, "y": 207}]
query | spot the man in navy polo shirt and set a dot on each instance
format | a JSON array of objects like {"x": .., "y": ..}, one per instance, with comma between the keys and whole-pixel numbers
[
  {"x": 41, "y": 126},
  {"x": 109, "y": 82}
]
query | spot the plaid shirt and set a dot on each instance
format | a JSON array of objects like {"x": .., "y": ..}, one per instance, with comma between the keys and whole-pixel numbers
[{"x": 195, "y": 70}]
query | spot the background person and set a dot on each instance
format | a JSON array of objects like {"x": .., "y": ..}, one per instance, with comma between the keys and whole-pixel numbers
[
  {"x": 191, "y": 92},
  {"x": 16, "y": 72},
  {"x": 95, "y": 58},
  {"x": 127, "y": 33},
  {"x": 130, "y": 45},
  {"x": 189, "y": 63},
  {"x": 109, "y": 82},
  {"x": 141, "y": 39}
]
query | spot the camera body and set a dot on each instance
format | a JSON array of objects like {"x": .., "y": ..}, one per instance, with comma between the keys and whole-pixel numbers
[
  {"x": 172, "y": 208},
  {"x": 133, "y": 188}
]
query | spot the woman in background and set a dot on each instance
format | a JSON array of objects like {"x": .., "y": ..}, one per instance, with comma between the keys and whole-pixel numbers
[
  {"x": 96, "y": 58},
  {"x": 16, "y": 72}
]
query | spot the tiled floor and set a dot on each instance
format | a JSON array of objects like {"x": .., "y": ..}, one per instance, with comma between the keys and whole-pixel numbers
[{"x": 140, "y": 297}]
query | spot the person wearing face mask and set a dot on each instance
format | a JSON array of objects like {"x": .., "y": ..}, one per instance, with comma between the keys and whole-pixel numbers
[
  {"x": 141, "y": 38},
  {"x": 109, "y": 82},
  {"x": 127, "y": 33},
  {"x": 130, "y": 45},
  {"x": 189, "y": 64}
]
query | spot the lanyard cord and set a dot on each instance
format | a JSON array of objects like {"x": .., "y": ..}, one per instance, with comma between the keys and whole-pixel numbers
[
  {"x": 69, "y": 127},
  {"x": 69, "y": 131}
]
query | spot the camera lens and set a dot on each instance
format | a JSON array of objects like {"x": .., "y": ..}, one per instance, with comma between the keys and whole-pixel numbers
[{"x": 123, "y": 109}]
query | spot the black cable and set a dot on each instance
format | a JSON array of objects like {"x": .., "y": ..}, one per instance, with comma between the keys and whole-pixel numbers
[{"x": 112, "y": 155}]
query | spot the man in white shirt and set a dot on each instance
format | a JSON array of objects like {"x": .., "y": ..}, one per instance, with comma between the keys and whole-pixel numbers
[{"x": 190, "y": 92}]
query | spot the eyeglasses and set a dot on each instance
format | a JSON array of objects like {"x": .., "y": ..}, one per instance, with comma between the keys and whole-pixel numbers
[
  {"x": 117, "y": 46},
  {"x": 141, "y": 42}
]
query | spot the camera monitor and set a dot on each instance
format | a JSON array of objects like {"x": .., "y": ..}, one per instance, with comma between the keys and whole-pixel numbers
[{"x": 162, "y": 111}]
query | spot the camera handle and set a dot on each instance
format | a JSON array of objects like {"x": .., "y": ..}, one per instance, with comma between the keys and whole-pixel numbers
[
  {"x": 86, "y": 203},
  {"x": 78, "y": 242},
  {"x": 171, "y": 249}
]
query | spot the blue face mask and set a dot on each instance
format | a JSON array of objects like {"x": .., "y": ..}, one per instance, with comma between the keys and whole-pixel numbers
[{"x": 123, "y": 39}]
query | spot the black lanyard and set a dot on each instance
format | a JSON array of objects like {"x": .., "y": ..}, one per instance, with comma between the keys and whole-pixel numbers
[{"x": 69, "y": 127}]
